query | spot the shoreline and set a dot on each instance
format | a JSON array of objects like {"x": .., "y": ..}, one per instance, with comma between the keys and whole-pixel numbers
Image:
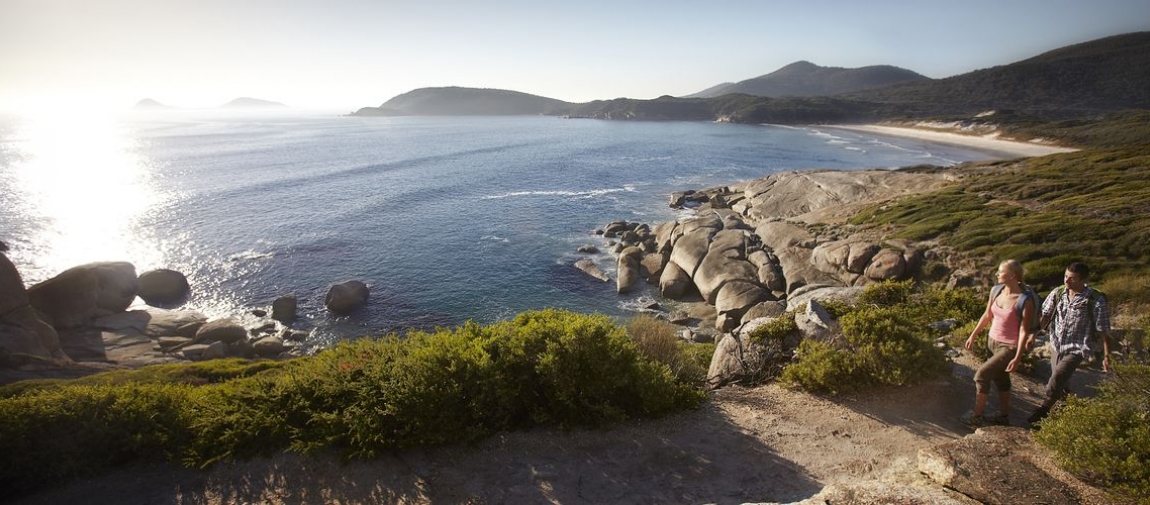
[{"x": 1014, "y": 148}]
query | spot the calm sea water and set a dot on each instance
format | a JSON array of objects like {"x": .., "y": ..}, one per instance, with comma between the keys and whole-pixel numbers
[{"x": 446, "y": 218}]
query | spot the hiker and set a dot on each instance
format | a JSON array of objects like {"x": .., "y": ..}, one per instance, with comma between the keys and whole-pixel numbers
[
  {"x": 1011, "y": 304},
  {"x": 1078, "y": 318}
]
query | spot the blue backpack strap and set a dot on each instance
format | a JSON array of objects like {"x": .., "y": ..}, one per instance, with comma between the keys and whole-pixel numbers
[
  {"x": 1020, "y": 307},
  {"x": 995, "y": 290}
]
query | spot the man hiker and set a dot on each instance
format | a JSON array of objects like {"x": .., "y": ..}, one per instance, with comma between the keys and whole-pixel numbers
[{"x": 1079, "y": 320}]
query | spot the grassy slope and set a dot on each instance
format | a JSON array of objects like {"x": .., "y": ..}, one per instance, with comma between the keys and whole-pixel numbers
[{"x": 1092, "y": 205}]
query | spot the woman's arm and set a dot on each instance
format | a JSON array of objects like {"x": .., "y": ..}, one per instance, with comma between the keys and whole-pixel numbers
[
  {"x": 982, "y": 322},
  {"x": 1025, "y": 336}
]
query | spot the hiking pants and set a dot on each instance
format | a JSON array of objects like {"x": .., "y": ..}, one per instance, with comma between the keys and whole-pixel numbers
[
  {"x": 994, "y": 368},
  {"x": 1061, "y": 368}
]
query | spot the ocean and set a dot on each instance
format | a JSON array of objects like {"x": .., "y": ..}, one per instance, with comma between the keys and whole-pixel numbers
[{"x": 447, "y": 219}]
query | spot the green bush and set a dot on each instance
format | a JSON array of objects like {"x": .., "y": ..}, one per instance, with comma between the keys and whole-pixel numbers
[
  {"x": 198, "y": 373},
  {"x": 887, "y": 293},
  {"x": 657, "y": 340},
  {"x": 888, "y": 340},
  {"x": 822, "y": 368},
  {"x": 62, "y": 432},
  {"x": 979, "y": 350},
  {"x": 361, "y": 398},
  {"x": 1106, "y": 439},
  {"x": 1129, "y": 288},
  {"x": 776, "y": 330}
]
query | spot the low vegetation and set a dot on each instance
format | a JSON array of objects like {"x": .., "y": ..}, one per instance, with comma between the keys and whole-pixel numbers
[
  {"x": 888, "y": 339},
  {"x": 1106, "y": 438},
  {"x": 658, "y": 340},
  {"x": 1045, "y": 212},
  {"x": 360, "y": 398}
]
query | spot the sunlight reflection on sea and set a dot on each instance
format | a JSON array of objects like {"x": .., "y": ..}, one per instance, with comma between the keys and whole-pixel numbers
[{"x": 84, "y": 193}]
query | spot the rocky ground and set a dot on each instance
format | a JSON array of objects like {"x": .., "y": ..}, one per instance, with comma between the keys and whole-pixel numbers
[{"x": 758, "y": 445}]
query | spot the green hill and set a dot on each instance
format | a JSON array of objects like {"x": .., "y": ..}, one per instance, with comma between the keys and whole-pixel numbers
[
  {"x": 1099, "y": 76},
  {"x": 1081, "y": 94},
  {"x": 457, "y": 101},
  {"x": 804, "y": 78}
]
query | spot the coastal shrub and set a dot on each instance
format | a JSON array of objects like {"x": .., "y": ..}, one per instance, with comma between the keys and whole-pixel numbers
[
  {"x": 1044, "y": 211},
  {"x": 360, "y": 398},
  {"x": 776, "y": 330},
  {"x": 958, "y": 338},
  {"x": 62, "y": 432},
  {"x": 1127, "y": 289},
  {"x": 1106, "y": 438},
  {"x": 888, "y": 340},
  {"x": 372, "y": 395},
  {"x": 658, "y": 340},
  {"x": 196, "y": 373},
  {"x": 887, "y": 293},
  {"x": 822, "y": 368}
]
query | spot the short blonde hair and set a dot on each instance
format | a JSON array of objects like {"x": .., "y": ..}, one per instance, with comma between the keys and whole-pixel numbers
[{"x": 1014, "y": 267}]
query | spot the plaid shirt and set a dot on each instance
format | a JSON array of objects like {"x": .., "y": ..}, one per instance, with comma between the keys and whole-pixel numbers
[{"x": 1070, "y": 329}]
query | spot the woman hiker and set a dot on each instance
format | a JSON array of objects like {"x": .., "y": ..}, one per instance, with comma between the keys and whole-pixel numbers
[{"x": 1010, "y": 304}]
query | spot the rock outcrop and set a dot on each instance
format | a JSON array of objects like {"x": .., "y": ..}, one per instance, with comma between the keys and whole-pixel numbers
[
  {"x": 284, "y": 308},
  {"x": 346, "y": 296},
  {"x": 163, "y": 287},
  {"x": 77, "y": 295},
  {"x": 21, "y": 329},
  {"x": 753, "y": 244},
  {"x": 1002, "y": 465},
  {"x": 741, "y": 358},
  {"x": 94, "y": 332}
]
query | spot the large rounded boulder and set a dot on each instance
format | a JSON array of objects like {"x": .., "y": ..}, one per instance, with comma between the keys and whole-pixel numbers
[
  {"x": 81, "y": 293},
  {"x": 284, "y": 308},
  {"x": 163, "y": 287},
  {"x": 21, "y": 331},
  {"x": 346, "y": 296},
  {"x": 226, "y": 330}
]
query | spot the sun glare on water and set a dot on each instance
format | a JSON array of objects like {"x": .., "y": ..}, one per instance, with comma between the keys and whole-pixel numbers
[{"x": 78, "y": 179}]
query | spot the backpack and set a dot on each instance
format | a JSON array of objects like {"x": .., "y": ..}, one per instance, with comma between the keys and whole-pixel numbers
[{"x": 1034, "y": 324}]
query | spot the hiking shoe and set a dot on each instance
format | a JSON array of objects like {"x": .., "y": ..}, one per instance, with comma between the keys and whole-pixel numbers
[
  {"x": 972, "y": 419},
  {"x": 1038, "y": 415},
  {"x": 999, "y": 420}
]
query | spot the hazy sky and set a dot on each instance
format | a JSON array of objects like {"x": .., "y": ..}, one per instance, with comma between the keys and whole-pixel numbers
[{"x": 345, "y": 54}]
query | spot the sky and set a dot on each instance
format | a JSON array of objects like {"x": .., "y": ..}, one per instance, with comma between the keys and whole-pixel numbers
[{"x": 347, "y": 54}]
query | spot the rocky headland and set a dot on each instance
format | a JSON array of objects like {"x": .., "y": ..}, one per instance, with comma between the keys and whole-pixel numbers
[{"x": 103, "y": 316}]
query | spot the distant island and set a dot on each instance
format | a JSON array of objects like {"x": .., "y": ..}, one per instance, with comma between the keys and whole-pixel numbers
[
  {"x": 252, "y": 103},
  {"x": 149, "y": 104},
  {"x": 239, "y": 103},
  {"x": 1079, "y": 82},
  {"x": 456, "y": 101}
]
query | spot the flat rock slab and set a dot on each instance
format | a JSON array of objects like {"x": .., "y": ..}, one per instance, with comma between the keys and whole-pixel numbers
[{"x": 1001, "y": 465}]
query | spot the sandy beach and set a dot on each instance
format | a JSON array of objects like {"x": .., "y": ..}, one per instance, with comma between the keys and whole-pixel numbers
[{"x": 1010, "y": 148}]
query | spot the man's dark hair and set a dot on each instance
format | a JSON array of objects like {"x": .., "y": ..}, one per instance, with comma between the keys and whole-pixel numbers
[
  {"x": 3, "y": 246},
  {"x": 1079, "y": 268}
]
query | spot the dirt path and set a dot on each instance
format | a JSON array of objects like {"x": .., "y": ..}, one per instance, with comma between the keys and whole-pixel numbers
[{"x": 764, "y": 444}]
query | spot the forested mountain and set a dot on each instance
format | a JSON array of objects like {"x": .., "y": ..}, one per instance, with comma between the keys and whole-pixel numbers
[
  {"x": 804, "y": 78},
  {"x": 1094, "y": 77},
  {"x": 1080, "y": 81}
]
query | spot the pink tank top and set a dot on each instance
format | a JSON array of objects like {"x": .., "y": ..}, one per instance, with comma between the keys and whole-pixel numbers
[{"x": 1005, "y": 325}]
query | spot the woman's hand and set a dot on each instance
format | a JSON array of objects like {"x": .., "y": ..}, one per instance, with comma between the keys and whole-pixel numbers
[
  {"x": 1013, "y": 364},
  {"x": 970, "y": 343}
]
